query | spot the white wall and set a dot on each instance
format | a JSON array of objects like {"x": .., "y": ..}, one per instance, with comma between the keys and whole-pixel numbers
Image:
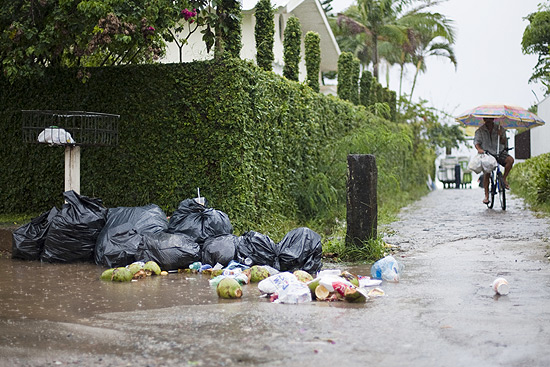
[
  {"x": 195, "y": 49},
  {"x": 540, "y": 135}
]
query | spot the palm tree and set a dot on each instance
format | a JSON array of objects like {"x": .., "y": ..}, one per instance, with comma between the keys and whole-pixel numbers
[
  {"x": 375, "y": 20},
  {"x": 433, "y": 37},
  {"x": 395, "y": 31}
]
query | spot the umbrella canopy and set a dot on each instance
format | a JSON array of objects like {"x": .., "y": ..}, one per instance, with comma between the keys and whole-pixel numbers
[{"x": 509, "y": 117}]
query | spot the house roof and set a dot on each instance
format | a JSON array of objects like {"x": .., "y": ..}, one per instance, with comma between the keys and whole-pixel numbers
[{"x": 312, "y": 18}]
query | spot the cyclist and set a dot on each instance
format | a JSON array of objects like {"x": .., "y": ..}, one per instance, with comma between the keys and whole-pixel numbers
[{"x": 485, "y": 140}]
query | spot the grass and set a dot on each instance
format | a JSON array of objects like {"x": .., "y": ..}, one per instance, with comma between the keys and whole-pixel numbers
[{"x": 15, "y": 220}]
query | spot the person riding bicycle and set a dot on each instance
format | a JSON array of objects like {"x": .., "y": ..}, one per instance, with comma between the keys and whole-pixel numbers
[{"x": 485, "y": 140}]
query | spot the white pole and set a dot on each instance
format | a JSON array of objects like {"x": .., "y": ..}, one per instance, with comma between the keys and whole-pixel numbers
[{"x": 72, "y": 168}]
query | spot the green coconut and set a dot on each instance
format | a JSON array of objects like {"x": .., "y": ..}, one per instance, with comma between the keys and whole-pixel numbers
[
  {"x": 229, "y": 288},
  {"x": 107, "y": 274},
  {"x": 354, "y": 295},
  {"x": 312, "y": 286},
  {"x": 350, "y": 278},
  {"x": 151, "y": 268},
  {"x": 135, "y": 267},
  {"x": 216, "y": 273},
  {"x": 122, "y": 275},
  {"x": 303, "y": 276},
  {"x": 258, "y": 273}
]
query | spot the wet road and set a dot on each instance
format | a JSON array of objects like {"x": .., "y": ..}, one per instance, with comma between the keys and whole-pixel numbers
[{"x": 442, "y": 313}]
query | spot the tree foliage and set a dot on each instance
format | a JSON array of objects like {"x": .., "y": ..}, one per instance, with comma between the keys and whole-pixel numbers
[
  {"x": 312, "y": 43},
  {"x": 429, "y": 127},
  {"x": 536, "y": 41},
  {"x": 345, "y": 85},
  {"x": 228, "y": 28},
  {"x": 80, "y": 33},
  {"x": 397, "y": 31},
  {"x": 291, "y": 44},
  {"x": 37, "y": 34},
  {"x": 264, "y": 32}
]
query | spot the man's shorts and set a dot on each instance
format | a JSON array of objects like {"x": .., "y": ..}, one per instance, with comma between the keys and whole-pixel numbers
[{"x": 501, "y": 159}]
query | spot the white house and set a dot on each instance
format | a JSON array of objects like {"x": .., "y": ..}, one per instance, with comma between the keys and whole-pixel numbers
[
  {"x": 540, "y": 136},
  {"x": 311, "y": 16}
]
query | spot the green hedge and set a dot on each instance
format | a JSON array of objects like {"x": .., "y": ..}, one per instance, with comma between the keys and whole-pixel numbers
[
  {"x": 263, "y": 149},
  {"x": 246, "y": 137},
  {"x": 531, "y": 180}
]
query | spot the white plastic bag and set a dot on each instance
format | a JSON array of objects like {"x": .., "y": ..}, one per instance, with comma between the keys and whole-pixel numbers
[
  {"x": 475, "y": 163},
  {"x": 488, "y": 163},
  {"x": 387, "y": 269},
  {"x": 54, "y": 135}
]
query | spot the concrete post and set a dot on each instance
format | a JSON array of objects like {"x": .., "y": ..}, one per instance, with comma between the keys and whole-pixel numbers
[
  {"x": 362, "y": 207},
  {"x": 72, "y": 168}
]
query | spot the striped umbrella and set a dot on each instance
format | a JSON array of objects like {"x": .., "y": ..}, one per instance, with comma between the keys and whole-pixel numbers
[{"x": 509, "y": 117}]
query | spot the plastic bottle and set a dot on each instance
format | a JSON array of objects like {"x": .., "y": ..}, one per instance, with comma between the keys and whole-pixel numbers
[
  {"x": 195, "y": 266},
  {"x": 387, "y": 269}
]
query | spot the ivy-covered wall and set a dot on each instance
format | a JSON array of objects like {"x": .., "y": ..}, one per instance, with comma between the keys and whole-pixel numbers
[{"x": 247, "y": 138}]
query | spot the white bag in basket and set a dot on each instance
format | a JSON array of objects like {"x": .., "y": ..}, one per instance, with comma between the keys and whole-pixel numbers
[
  {"x": 475, "y": 163},
  {"x": 54, "y": 135},
  {"x": 488, "y": 163}
]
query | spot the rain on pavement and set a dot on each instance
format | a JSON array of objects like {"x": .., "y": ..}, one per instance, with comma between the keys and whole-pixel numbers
[{"x": 443, "y": 312}]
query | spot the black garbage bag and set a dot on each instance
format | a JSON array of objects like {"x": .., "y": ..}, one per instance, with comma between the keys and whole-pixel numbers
[
  {"x": 219, "y": 249},
  {"x": 300, "y": 249},
  {"x": 198, "y": 221},
  {"x": 119, "y": 239},
  {"x": 74, "y": 230},
  {"x": 171, "y": 251},
  {"x": 255, "y": 248},
  {"x": 28, "y": 240}
]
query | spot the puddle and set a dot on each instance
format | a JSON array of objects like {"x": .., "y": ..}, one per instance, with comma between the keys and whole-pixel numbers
[{"x": 72, "y": 292}]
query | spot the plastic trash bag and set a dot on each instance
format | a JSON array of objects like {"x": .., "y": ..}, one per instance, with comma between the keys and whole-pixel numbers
[
  {"x": 74, "y": 230},
  {"x": 119, "y": 239},
  {"x": 300, "y": 249},
  {"x": 171, "y": 251},
  {"x": 387, "y": 269},
  {"x": 255, "y": 248},
  {"x": 475, "y": 163},
  {"x": 28, "y": 240},
  {"x": 488, "y": 163},
  {"x": 198, "y": 221},
  {"x": 54, "y": 135},
  {"x": 220, "y": 249},
  {"x": 276, "y": 283}
]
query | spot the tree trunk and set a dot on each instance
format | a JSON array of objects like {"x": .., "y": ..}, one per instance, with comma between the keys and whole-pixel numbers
[{"x": 418, "y": 65}]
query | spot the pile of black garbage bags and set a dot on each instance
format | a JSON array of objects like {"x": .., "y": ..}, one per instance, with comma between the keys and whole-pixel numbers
[{"x": 85, "y": 231}]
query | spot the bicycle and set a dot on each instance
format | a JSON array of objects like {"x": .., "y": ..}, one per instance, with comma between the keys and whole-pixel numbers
[{"x": 496, "y": 185}]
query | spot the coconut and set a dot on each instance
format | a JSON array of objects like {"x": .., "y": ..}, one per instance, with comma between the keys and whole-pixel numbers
[
  {"x": 121, "y": 275},
  {"x": 350, "y": 278},
  {"x": 107, "y": 274},
  {"x": 303, "y": 276},
  {"x": 140, "y": 274},
  {"x": 312, "y": 285},
  {"x": 135, "y": 267},
  {"x": 216, "y": 272},
  {"x": 151, "y": 268},
  {"x": 229, "y": 288},
  {"x": 258, "y": 273},
  {"x": 354, "y": 295},
  {"x": 321, "y": 293}
]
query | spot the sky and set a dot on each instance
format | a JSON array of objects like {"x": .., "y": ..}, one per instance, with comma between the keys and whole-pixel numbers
[{"x": 491, "y": 67}]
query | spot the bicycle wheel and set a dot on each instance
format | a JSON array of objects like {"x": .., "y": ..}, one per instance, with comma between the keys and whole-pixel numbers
[
  {"x": 501, "y": 191},
  {"x": 492, "y": 191}
]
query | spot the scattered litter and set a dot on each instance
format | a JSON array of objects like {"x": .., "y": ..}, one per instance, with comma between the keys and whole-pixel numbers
[
  {"x": 500, "y": 286},
  {"x": 229, "y": 288},
  {"x": 387, "y": 269}
]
